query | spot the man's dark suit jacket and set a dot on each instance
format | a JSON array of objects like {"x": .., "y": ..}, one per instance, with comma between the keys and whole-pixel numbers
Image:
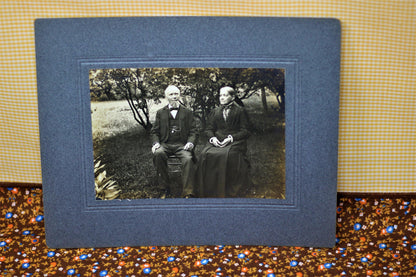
[{"x": 188, "y": 126}]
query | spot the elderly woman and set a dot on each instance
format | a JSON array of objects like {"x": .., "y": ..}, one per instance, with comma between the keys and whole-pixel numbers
[{"x": 223, "y": 167}]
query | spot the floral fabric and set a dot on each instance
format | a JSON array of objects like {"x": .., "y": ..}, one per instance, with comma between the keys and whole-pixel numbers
[{"x": 375, "y": 237}]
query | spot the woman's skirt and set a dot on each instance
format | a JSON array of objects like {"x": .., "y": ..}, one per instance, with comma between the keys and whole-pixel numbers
[{"x": 223, "y": 172}]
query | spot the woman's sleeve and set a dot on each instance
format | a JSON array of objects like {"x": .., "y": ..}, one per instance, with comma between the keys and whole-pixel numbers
[
  {"x": 211, "y": 126},
  {"x": 242, "y": 132}
]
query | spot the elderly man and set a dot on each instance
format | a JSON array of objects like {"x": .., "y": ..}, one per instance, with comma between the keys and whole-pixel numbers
[{"x": 174, "y": 132}]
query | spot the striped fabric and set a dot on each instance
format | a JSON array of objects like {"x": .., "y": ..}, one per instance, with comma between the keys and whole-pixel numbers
[{"x": 378, "y": 98}]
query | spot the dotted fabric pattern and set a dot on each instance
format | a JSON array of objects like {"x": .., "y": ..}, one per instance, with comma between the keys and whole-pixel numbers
[
  {"x": 377, "y": 101},
  {"x": 375, "y": 237}
]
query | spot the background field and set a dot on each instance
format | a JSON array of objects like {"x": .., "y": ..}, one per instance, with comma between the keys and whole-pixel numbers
[{"x": 125, "y": 149}]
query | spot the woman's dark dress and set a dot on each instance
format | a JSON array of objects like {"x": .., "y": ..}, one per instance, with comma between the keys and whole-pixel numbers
[{"x": 224, "y": 172}]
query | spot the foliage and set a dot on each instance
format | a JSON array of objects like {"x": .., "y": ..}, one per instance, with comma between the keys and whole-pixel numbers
[
  {"x": 105, "y": 187},
  {"x": 252, "y": 80},
  {"x": 199, "y": 86},
  {"x": 101, "y": 86}
]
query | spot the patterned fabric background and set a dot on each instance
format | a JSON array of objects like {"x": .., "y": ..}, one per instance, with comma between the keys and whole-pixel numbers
[
  {"x": 375, "y": 237},
  {"x": 377, "y": 112}
]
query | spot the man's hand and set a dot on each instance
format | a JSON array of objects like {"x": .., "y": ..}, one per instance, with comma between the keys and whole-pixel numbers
[
  {"x": 155, "y": 147},
  {"x": 189, "y": 146}
]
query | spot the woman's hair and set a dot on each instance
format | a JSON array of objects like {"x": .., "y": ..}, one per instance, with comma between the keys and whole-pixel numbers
[{"x": 230, "y": 90}]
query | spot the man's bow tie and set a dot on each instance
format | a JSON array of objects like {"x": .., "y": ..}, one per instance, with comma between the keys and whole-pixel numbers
[{"x": 173, "y": 109}]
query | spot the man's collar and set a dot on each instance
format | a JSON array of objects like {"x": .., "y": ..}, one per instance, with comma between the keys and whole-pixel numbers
[{"x": 170, "y": 106}]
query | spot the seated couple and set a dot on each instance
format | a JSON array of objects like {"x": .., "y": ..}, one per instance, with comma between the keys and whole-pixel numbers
[{"x": 222, "y": 170}]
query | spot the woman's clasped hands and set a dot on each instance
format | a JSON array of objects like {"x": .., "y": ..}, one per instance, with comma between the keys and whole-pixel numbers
[{"x": 217, "y": 143}]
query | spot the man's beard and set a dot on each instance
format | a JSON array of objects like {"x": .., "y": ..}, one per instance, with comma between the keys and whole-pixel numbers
[{"x": 174, "y": 104}]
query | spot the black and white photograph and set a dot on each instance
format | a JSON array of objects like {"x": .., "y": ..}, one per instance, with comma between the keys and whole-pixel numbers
[{"x": 188, "y": 132}]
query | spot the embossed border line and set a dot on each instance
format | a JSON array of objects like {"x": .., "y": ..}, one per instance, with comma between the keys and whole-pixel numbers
[{"x": 293, "y": 95}]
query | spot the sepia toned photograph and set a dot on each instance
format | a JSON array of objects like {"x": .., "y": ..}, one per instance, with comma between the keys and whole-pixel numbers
[{"x": 188, "y": 132}]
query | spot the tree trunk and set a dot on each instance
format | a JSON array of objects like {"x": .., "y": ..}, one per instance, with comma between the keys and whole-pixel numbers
[
  {"x": 148, "y": 127},
  {"x": 281, "y": 100},
  {"x": 263, "y": 99}
]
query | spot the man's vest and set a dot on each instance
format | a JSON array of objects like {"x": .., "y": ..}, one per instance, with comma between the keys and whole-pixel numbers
[{"x": 174, "y": 129}]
